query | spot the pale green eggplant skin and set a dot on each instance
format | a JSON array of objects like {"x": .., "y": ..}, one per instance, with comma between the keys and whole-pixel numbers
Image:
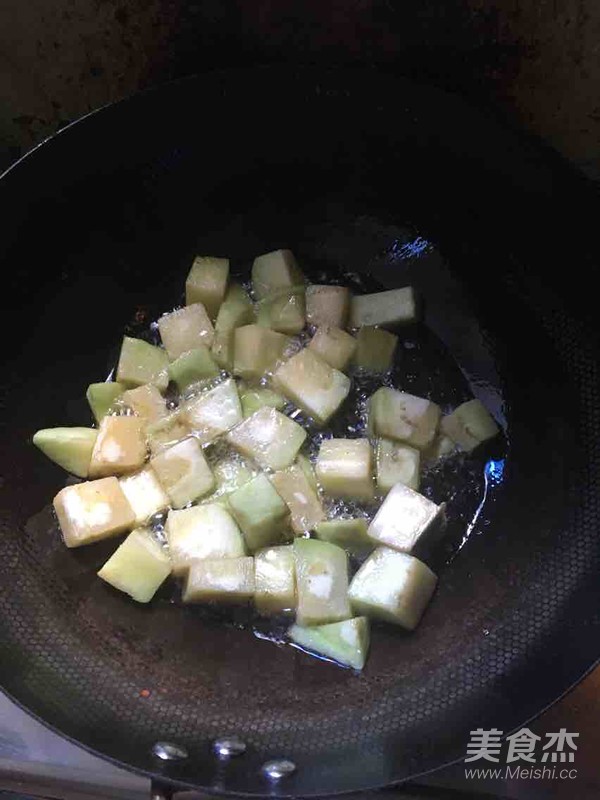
[{"x": 70, "y": 448}]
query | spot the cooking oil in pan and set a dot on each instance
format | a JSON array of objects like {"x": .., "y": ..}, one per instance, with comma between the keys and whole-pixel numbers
[{"x": 467, "y": 483}]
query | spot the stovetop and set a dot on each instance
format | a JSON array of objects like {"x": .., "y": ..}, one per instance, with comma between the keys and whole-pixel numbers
[{"x": 35, "y": 761}]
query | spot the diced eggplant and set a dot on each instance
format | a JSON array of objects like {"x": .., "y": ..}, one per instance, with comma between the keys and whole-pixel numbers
[
  {"x": 254, "y": 399},
  {"x": 269, "y": 438},
  {"x": 345, "y": 469},
  {"x": 166, "y": 432},
  {"x": 257, "y": 351},
  {"x": 120, "y": 447},
  {"x": 206, "y": 531},
  {"x": 394, "y": 307},
  {"x": 334, "y": 346},
  {"x": 193, "y": 366},
  {"x": 222, "y": 349},
  {"x": 322, "y": 582},
  {"x": 275, "y": 580},
  {"x": 346, "y": 642},
  {"x": 146, "y": 402},
  {"x": 237, "y": 310},
  {"x": 70, "y": 448},
  {"x": 375, "y": 349},
  {"x": 394, "y": 587},
  {"x": 138, "y": 567},
  {"x": 260, "y": 512},
  {"x": 183, "y": 472},
  {"x": 230, "y": 474},
  {"x": 469, "y": 425},
  {"x": 441, "y": 447},
  {"x": 307, "y": 468},
  {"x": 273, "y": 271},
  {"x": 403, "y": 417},
  {"x": 351, "y": 534},
  {"x": 207, "y": 283},
  {"x": 283, "y": 311},
  {"x": 89, "y": 512},
  {"x": 186, "y": 329},
  {"x": 229, "y": 580},
  {"x": 327, "y": 306},
  {"x": 145, "y": 494},
  {"x": 102, "y": 397},
  {"x": 397, "y": 463},
  {"x": 214, "y": 412},
  {"x": 300, "y": 497},
  {"x": 404, "y": 518},
  {"x": 140, "y": 363},
  {"x": 318, "y": 389}
]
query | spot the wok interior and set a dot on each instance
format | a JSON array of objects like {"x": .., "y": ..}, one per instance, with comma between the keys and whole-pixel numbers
[{"x": 114, "y": 248}]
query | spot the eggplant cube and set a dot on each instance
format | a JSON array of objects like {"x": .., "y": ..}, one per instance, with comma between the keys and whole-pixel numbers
[
  {"x": 120, "y": 447},
  {"x": 138, "y": 567},
  {"x": 146, "y": 402},
  {"x": 70, "y": 448},
  {"x": 327, "y": 306},
  {"x": 102, "y": 397},
  {"x": 257, "y": 351},
  {"x": 394, "y": 587},
  {"x": 214, "y": 412},
  {"x": 469, "y": 425},
  {"x": 268, "y": 437},
  {"x": 89, "y": 512},
  {"x": 403, "y": 417},
  {"x": 283, "y": 311},
  {"x": 183, "y": 472},
  {"x": 207, "y": 283},
  {"x": 230, "y": 474},
  {"x": 351, "y": 534},
  {"x": 375, "y": 349},
  {"x": 224, "y": 581},
  {"x": 307, "y": 468},
  {"x": 441, "y": 447},
  {"x": 206, "y": 531},
  {"x": 254, "y": 399},
  {"x": 186, "y": 329},
  {"x": 393, "y": 307},
  {"x": 318, "y": 389},
  {"x": 222, "y": 349},
  {"x": 404, "y": 518},
  {"x": 141, "y": 363},
  {"x": 193, "y": 366},
  {"x": 346, "y": 642},
  {"x": 397, "y": 463},
  {"x": 300, "y": 497},
  {"x": 166, "y": 432},
  {"x": 260, "y": 512},
  {"x": 237, "y": 310},
  {"x": 322, "y": 582},
  {"x": 275, "y": 580},
  {"x": 345, "y": 469},
  {"x": 334, "y": 346},
  {"x": 145, "y": 494},
  {"x": 273, "y": 271}
]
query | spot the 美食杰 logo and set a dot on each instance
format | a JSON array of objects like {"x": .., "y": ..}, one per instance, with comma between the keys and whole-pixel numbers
[{"x": 523, "y": 754}]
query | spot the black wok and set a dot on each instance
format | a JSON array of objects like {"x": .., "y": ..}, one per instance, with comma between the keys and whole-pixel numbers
[{"x": 358, "y": 173}]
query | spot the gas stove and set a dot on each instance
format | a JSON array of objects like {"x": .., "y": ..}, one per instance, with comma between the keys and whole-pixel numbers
[{"x": 34, "y": 761}]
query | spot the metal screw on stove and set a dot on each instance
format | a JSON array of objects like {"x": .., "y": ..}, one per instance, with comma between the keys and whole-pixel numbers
[
  {"x": 278, "y": 769},
  {"x": 229, "y": 746},
  {"x": 167, "y": 751}
]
